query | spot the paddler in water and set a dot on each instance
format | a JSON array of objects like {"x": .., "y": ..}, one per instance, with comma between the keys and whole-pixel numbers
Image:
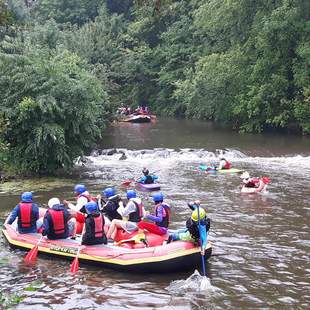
[
  {"x": 94, "y": 225},
  {"x": 247, "y": 181},
  {"x": 161, "y": 217},
  {"x": 192, "y": 232},
  {"x": 131, "y": 214},
  {"x": 147, "y": 178},
  {"x": 27, "y": 213}
]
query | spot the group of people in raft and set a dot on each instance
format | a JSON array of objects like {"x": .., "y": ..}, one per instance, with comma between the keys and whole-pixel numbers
[{"x": 61, "y": 219}]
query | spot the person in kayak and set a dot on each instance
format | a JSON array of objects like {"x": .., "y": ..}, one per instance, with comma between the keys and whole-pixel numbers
[
  {"x": 94, "y": 226},
  {"x": 147, "y": 178},
  {"x": 224, "y": 164},
  {"x": 109, "y": 203},
  {"x": 131, "y": 214},
  {"x": 58, "y": 222},
  {"x": 247, "y": 181},
  {"x": 27, "y": 214},
  {"x": 161, "y": 217},
  {"x": 194, "y": 232}
]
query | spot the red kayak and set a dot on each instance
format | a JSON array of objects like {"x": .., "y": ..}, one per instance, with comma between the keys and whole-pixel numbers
[{"x": 140, "y": 252}]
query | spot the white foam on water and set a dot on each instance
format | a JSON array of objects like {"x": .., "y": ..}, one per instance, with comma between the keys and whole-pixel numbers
[{"x": 195, "y": 283}]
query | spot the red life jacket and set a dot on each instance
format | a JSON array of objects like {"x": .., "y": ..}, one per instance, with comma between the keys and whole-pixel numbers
[
  {"x": 227, "y": 165},
  {"x": 88, "y": 197},
  {"x": 99, "y": 224},
  {"x": 25, "y": 214},
  {"x": 58, "y": 220}
]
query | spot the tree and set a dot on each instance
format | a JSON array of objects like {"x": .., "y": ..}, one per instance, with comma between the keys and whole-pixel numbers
[{"x": 54, "y": 107}]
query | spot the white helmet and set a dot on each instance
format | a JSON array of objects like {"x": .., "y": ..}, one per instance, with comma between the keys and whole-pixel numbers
[
  {"x": 53, "y": 201},
  {"x": 245, "y": 175}
]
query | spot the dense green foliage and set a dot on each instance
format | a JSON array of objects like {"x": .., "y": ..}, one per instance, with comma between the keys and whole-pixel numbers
[{"x": 67, "y": 64}]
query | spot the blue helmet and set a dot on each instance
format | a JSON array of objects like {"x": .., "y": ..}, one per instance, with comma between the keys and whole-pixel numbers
[
  {"x": 80, "y": 188},
  {"x": 131, "y": 194},
  {"x": 26, "y": 197},
  {"x": 91, "y": 207},
  {"x": 109, "y": 192},
  {"x": 158, "y": 197}
]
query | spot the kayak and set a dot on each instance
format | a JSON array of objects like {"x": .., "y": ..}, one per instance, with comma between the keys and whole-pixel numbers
[
  {"x": 150, "y": 256},
  {"x": 231, "y": 170},
  {"x": 137, "y": 119},
  {"x": 148, "y": 187}
]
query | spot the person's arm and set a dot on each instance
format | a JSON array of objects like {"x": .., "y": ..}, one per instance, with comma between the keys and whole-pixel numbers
[
  {"x": 130, "y": 208},
  {"x": 45, "y": 225},
  {"x": 141, "y": 180},
  {"x": 154, "y": 177},
  {"x": 160, "y": 215},
  {"x": 13, "y": 215},
  {"x": 36, "y": 211},
  {"x": 79, "y": 204}
]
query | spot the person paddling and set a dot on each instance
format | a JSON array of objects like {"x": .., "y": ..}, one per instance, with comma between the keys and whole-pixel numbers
[
  {"x": 94, "y": 226},
  {"x": 161, "y": 217},
  {"x": 247, "y": 181},
  {"x": 147, "y": 178},
  {"x": 58, "y": 222},
  {"x": 82, "y": 198},
  {"x": 27, "y": 213},
  {"x": 224, "y": 164},
  {"x": 192, "y": 231}
]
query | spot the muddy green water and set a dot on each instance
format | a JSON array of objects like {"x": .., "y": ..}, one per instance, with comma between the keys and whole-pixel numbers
[{"x": 263, "y": 240}]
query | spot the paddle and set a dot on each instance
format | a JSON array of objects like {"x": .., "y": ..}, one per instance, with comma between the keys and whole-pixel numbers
[
  {"x": 202, "y": 256},
  {"x": 204, "y": 282},
  {"x": 74, "y": 267},
  {"x": 31, "y": 257}
]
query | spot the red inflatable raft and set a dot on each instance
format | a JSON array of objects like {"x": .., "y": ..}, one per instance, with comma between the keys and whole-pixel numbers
[{"x": 140, "y": 252}]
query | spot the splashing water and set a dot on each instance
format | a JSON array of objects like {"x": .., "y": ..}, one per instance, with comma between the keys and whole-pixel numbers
[{"x": 194, "y": 283}]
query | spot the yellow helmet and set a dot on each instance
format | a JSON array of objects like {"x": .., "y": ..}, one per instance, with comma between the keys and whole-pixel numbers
[{"x": 202, "y": 214}]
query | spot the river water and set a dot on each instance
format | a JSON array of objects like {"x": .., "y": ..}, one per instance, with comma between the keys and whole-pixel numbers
[{"x": 261, "y": 242}]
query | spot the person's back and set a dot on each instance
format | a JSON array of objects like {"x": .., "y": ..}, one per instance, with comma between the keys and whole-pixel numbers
[
  {"x": 55, "y": 223},
  {"x": 111, "y": 205},
  {"x": 27, "y": 214},
  {"x": 94, "y": 226},
  {"x": 147, "y": 178},
  {"x": 224, "y": 164}
]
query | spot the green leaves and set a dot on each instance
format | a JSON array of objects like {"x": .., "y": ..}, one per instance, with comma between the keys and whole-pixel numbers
[{"x": 54, "y": 106}]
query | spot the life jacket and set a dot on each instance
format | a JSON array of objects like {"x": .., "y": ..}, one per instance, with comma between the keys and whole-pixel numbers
[
  {"x": 99, "y": 226},
  {"x": 227, "y": 165},
  {"x": 26, "y": 218},
  {"x": 148, "y": 180},
  {"x": 193, "y": 229},
  {"x": 137, "y": 215},
  {"x": 166, "y": 219},
  {"x": 88, "y": 197},
  {"x": 252, "y": 182},
  {"x": 58, "y": 221},
  {"x": 110, "y": 210}
]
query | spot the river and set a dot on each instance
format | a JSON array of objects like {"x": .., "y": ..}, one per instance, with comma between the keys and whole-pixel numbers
[{"x": 261, "y": 242}]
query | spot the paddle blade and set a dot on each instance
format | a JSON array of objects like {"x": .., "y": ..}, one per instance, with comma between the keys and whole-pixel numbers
[
  {"x": 31, "y": 257},
  {"x": 266, "y": 180},
  {"x": 205, "y": 284},
  {"x": 74, "y": 268},
  {"x": 127, "y": 182}
]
